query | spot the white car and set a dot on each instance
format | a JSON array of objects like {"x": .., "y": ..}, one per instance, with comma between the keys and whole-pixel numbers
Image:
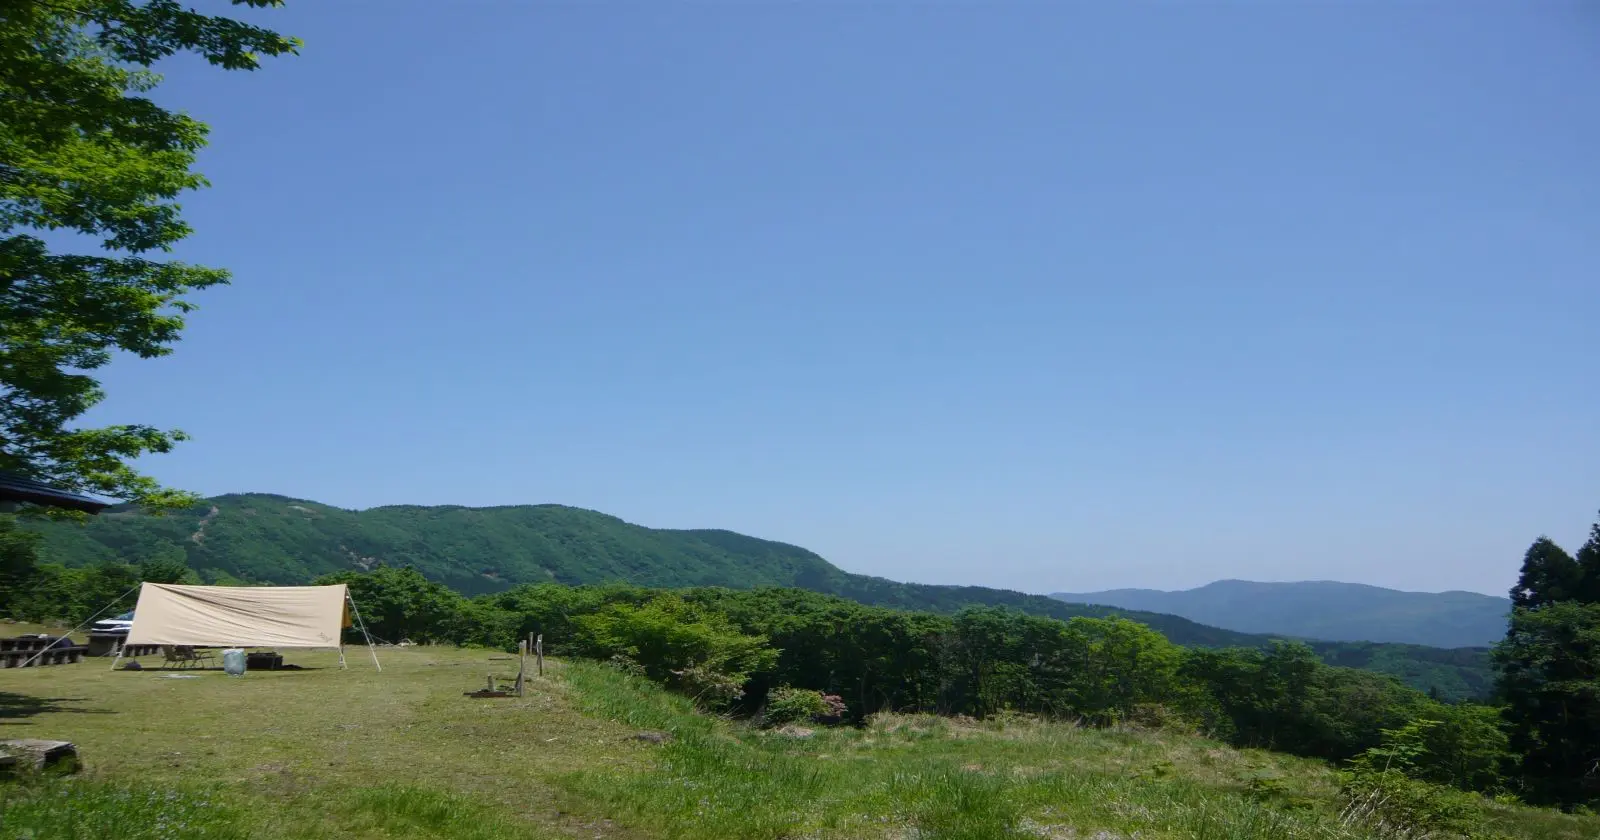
[{"x": 119, "y": 625}]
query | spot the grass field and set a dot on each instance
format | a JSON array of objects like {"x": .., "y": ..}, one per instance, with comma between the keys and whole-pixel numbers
[{"x": 402, "y": 754}]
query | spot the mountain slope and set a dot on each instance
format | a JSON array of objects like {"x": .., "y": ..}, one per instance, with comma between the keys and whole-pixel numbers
[
  {"x": 1325, "y": 610},
  {"x": 259, "y": 538}
]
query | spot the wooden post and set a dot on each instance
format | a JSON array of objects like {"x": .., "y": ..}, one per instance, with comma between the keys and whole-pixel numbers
[
  {"x": 491, "y": 682},
  {"x": 538, "y": 652},
  {"x": 522, "y": 666}
]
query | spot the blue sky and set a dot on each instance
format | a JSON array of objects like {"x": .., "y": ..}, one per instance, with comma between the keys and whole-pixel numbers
[{"x": 1048, "y": 296}]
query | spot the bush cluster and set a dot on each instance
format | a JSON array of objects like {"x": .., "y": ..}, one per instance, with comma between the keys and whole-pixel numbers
[{"x": 781, "y": 653}]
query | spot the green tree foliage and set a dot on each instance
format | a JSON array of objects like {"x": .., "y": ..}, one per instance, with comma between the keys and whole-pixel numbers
[
  {"x": 1550, "y": 681},
  {"x": 84, "y": 151},
  {"x": 32, "y": 591},
  {"x": 166, "y": 566},
  {"x": 18, "y": 554},
  {"x": 1549, "y": 667},
  {"x": 679, "y": 643},
  {"x": 741, "y": 650},
  {"x": 1588, "y": 561},
  {"x": 401, "y": 604},
  {"x": 1549, "y": 575},
  {"x": 1465, "y": 747},
  {"x": 794, "y": 705},
  {"x": 1285, "y": 699},
  {"x": 259, "y": 538},
  {"x": 1401, "y": 788}
]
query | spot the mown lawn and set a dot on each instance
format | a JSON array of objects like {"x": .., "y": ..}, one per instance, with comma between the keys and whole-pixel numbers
[
  {"x": 325, "y": 753},
  {"x": 290, "y": 749}
]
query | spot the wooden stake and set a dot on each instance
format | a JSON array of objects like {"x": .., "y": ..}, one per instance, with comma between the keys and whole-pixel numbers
[
  {"x": 522, "y": 666},
  {"x": 538, "y": 652}
]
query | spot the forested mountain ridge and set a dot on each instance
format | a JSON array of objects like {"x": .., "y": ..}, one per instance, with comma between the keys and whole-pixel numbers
[
  {"x": 1325, "y": 610},
  {"x": 263, "y": 538}
]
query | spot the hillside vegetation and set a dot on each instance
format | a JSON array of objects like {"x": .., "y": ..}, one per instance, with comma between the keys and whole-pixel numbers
[
  {"x": 1325, "y": 610},
  {"x": 261, "y": 538},
  {"x": 402, "y": 755}
]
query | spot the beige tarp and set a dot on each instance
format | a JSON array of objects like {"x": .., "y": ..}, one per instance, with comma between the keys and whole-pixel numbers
[{"x": 239, "y": 616}]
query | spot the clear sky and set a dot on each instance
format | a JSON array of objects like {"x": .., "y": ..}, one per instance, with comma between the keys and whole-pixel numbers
[{"x": 1049, "y": 296}]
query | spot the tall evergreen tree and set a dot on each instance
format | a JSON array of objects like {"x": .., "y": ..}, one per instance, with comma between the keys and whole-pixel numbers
[
  {"x": 1588, "y": 563},
  {"x": 1549, "y": 673},
  {"x": 1549, "y": 574},
  {"x": 1550, "y": 683}
]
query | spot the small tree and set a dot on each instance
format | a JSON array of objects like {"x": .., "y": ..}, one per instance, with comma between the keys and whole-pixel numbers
[{"x": 697, "y": 651}]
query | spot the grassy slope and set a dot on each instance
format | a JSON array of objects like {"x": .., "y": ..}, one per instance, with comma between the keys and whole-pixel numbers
[
  {"x": 402, "y": 754},
  {"x": 328, "y": 753},
  {"x": 265, "y": 538}
]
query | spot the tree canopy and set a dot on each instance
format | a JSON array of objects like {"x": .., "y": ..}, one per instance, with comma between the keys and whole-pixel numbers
[
  {"x": 1549, "y": 669},
  {"x": 86, "y": 160}
]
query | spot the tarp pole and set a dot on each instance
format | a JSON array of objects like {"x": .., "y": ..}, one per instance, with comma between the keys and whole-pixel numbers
[
  {"x": 86, "y": 623},
  {"x": 356, "y": 611}
]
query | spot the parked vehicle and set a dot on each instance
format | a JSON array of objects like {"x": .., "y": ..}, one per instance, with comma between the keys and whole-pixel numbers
[{"x": 120, "y": 624}]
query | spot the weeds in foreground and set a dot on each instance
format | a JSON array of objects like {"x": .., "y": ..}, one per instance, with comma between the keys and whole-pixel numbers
[
  {"x": 78, "y": 808},
  {"x": 924, "y": 778},
  {"x": 1393, "y": 807},
  {"x": 406, "y": 812},
  {"x": 92, "y": 809}
]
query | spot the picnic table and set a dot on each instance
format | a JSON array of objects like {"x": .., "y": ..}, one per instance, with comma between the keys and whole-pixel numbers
[{"x": 28, "y": 651}]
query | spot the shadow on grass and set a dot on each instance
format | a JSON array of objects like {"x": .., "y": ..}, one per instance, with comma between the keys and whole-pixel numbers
[{"x": 13, "y": 706}]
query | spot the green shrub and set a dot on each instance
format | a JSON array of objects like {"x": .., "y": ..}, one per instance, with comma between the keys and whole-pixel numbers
[
  {"x": 696, "y": 651},
  {"x": 794, "y": 705},
  {"x": 1394, "y": 806},
  {"x": 1461, "y": 746},
  {"x": 708, "y": 687}
]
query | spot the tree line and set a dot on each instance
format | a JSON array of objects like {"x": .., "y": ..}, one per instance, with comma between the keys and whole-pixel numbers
[
  {"x": 733, "y": 650},
  {"x": 1539, "y": 737}
]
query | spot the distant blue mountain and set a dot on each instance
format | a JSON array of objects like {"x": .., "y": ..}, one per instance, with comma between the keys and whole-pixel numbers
[{"x": 1324, "y": 609}]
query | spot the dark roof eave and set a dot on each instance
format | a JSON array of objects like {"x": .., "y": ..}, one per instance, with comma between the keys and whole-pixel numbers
[{"x": 15, "y": 488}]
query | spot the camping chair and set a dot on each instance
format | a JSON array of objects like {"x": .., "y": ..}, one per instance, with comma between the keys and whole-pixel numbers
[{"x": 184, "y": 656}]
